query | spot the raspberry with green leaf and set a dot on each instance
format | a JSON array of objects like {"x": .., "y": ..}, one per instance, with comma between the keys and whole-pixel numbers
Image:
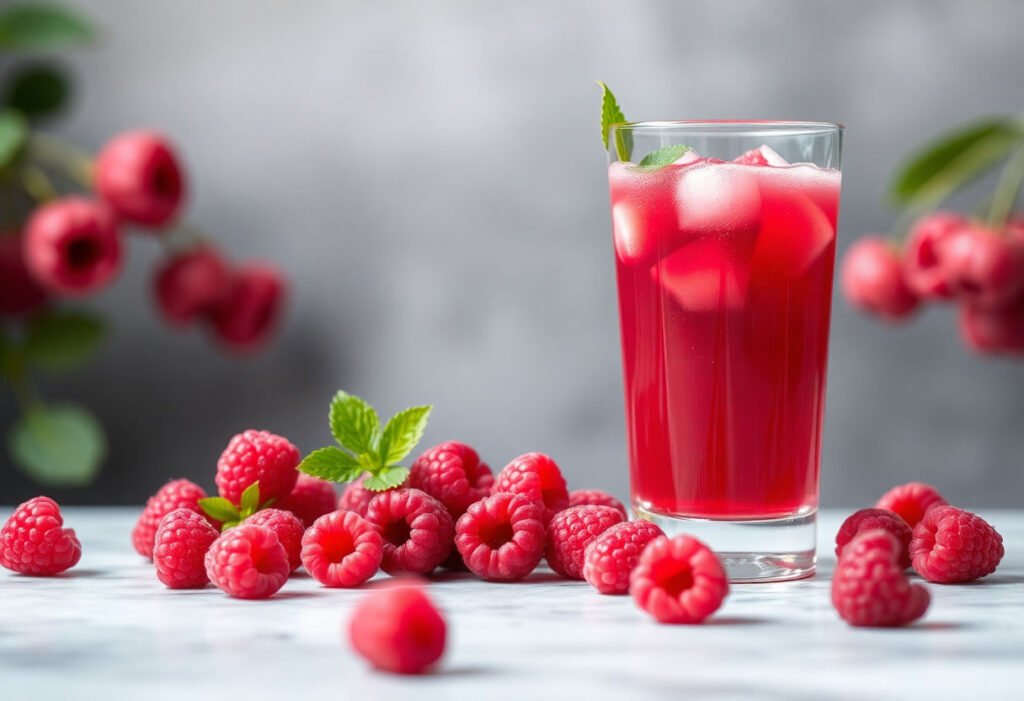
[{"x": 229, "y": 514}]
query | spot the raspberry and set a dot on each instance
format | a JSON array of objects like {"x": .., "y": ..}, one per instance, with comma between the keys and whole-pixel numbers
[
  {"x": 257, "y": 455},
  {"x": 33, "y": 542},
  {"x": 453, "y": 474},
  {"x": 248, "y": 313},
  {"x": 872, "y": 519},
  {"x": 536, "y": 476},
  {"x": 571, "y": 531},
  {"x": 19, "y": 291},
  {"x": 138, "y": 175},
  {"x": 952, "y": 545},
  {"x": 416, "y": 528},
  {"x": 609, "y": 560},
  {"x": 190, "y": 284},
  {"x": 248, "y": 562},
  {"x": 71, "y": 246},
  {"x": 870, "y": 588},
  {"x": 341, "y": 549},
  {"x": 678, "y": 580},
  {"x": 356, "y": 497},
  {"x": 501, "y": 537},
  {"x": 872, "y": 279},
  {"x": 983, "y": 267},
  {"x": 596, "y": 497},
  {"x": 911, "y": 501},
  {"x": 398, "y": 629},
  {"x": 924, "y": 262},
  {"x": 998, "y": 331},
  {"x": 288, "y": 529},
  {"x": 179, "y": 551},
  {"x": 310, "y": 498},
  {"x": 176, "y": 494}
]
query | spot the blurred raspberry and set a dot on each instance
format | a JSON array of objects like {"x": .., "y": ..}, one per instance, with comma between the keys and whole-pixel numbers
[
  {"x": 998, "y": 330},
  {"x": 33, "y": 541},
  {"x": 924, "y": 263},
  {"x": 596, "y": 497},
  {"x": 19, "y": 291},
  {"x": 501, "y": 537},
  {"x": 138, "y": 175},
  {"x": 190, "y": 284},
  {"x": 418, "y": 531},
  {"x": 536, "y": 476},
  {"x": 610, "y": 559},
  {"x": 872, "y": 280},
  {"x": 176, "y": 494},
  {"x": 453, "y": 474},
  {"x": 952, "y": 545},
  {"x": 571, "y": 531},
  {"x": 874, "y": 519},
  {"x": 310, "y": 498},
  {"x": 257, "y": 455},
  {"x": 678, "y": 580},
  {"x": 398, "y": 629},
  {"x": 984, "y": 267},
  {"x": 342, "y": 549},
  {"x": 869, "y": 586},
  {"x": 248, "y": 313},
  {"x": 179, "y": 552},
  {"x": 911, "y": 501}
]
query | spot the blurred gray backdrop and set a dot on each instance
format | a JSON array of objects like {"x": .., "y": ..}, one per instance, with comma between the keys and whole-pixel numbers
[{"x": 430, "y": 176}]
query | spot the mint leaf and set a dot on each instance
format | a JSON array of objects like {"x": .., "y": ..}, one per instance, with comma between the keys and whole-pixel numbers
[
  {"x": 611, "y": 114},
  {"x": 59, "y": 446},
  {"x": 250, "y": 501},
  {"x": 403, "y": 432},
  {"x": 332, "y": 464},
  {"x": 354, "y": 423},
  {"x": 62, "y": 340},
  {"x": 386, "y": 478},
  {"x": 13, "y": 133},
  {"x": 32, "y": 26},
  {"x": 666, "y": 155},
  {"x": 220, "y": 509}
]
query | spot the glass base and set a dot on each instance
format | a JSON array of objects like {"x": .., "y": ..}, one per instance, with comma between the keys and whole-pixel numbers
[{"x": 767, "y": 550}]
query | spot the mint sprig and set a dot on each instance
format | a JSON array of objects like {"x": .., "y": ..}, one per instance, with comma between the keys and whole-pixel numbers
[
  {"x": 365, "y": 446},
  {"x": 230, "y": 515},
  {"x": 611, "y": 114},
  {"x": 666, "y": 155}
]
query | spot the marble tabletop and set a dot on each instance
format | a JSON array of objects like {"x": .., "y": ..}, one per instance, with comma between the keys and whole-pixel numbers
[{"x": 109, "y": 630}]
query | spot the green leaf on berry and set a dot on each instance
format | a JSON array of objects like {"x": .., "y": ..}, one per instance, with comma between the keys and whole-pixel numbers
[
  {"x": 220, "y": 509},
  {"x": 250, "y": 501},
  {"x": 666, "y": 155},
  {"x": 611, "y": 114},
  {"x": 386, "y": 478},
  {"x": 403, "y": 432},
  {"x": 62, "y": 340},
  {"x": 354, "y": 423},
  {"x": 34, "y": 27},
  {"x": 332, "y": 464}
]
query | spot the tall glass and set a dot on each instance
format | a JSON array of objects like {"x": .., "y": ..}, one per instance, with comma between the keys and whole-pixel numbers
[{"x": 724, "y": 260}]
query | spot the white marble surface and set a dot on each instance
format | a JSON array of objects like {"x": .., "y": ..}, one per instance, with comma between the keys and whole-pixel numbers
[{"x": 109, "y": 630}]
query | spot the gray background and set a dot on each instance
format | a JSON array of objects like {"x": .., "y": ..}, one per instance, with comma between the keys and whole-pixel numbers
[{"x": 429, "y": 175}]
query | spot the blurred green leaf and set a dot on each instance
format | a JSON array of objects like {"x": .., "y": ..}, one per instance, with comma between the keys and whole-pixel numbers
[
  {"x": 35, "y": 26},
  {"x": 59, "y": 446},
  {"x": 13, "y": 132},
  {"x": 37, "y": 90},
  {"x": 61, "y": 340}
]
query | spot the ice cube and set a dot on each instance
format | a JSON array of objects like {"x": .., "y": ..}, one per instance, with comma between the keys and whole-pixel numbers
[
  {"x": 761, "y": 156},
  {"x": 716, "y": 199},
  {"x": 634, "y": 244},
  {"x": 687, "y": 158},
  {"x": 794, "y": 234},
  {"x": 704, "y": 275}
]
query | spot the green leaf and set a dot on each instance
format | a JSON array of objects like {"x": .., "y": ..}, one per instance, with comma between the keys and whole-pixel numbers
[
  {"x": 611, "y": 114},
  {"x": 332, "y": 464},
  {"x": 954, "y": 160},
  {"x": 60, "y": 446},
  {"x": 250, "y": 500},
  {"x": 666, "y": 155},
  {"x": 34, "y": 26},
  {"x": 61, "y": 340},
  {"x": 403, "y": 432},
  {"x": 354, "y": 423},
  {"x": 37, "y": 90},
  {"x": 220, "y": 509},
  {"x": 13, "y": 133},
  {"x": 386, "y": 478}
]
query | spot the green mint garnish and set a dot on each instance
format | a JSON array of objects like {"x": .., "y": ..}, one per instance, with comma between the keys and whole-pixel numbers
[
  {"x": 666, "y": 155},
  {"x": 230, "y": 515},
  {"x": 365, "y": 446},
  {"x": 611, "y": 114}
]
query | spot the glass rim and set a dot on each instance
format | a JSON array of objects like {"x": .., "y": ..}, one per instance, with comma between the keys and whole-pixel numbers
[{"x": 736, "y": 127}]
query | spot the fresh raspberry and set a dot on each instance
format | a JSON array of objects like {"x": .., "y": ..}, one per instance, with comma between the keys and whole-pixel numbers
[
  {"x": 872, "y": 519},
  {"x": 678, "y": 580},
  {"x": 453, "y": 474},
  {"x": 952, "y": 545},
  {"x": 342, "y": 549},
  {"x": 417, "y": 530},
  {"x": 924, "y": 263},
  {"x": 872, "y": 280},
  {"x": 248, "y": 562},
  {"x": 310, "y": 498},
  {"x": 501, "y": 537},
  {"x": 984, "y": 267},
  {"x": 288, "y": 529},
  {"x": 356, "y": 497},
  {"x": 33, "y": 542},
  {"x": 536, "y": 476},
  {"x": 398, "y": 629},
  {"x": 609, "y": 560},
  {"x": 596, "y": 497},
  {"x": 911, "y": 501},
  {"x": 869, "y": 586},
  {"x": 190, "y": 284},
  {"x": 250, "y": 309},
  {"x": 998, "y": 330},
  {"x": 179, "y": 551},
  {"x": 71, "y": 246},
  {"x": 257, "y": 456},
  {"x": 571, "y": 531},
  {"x": 176, "y": 494},
  {"x": 138, "y": 175},
  {"x": 19, "y": 291}
]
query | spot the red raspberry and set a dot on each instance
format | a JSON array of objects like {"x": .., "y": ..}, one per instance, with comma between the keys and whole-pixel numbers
[
  {"x": 571, "y": 531},
  {"x": 341, "y": 549},
  {"x": 678, "y": 580},
  {"x": 870, "y": 588},
  {"x": 179, "y": 551},
  {"x": 501, "y": 537},
  {"x": 33, "y": 542},
  {"x": 924, "y": 264},
  {"x": 983, "y": 267},
  {"x": 356, "y": 497},
  {"x": 310, "y": 498},
  {"x": 911, "y": 501},
  {"x": 596, "y": 497},
  {"x": 416, "y": 528},
  {"x": 138, "y": 175},
  {"x": 952, "y": 545},
  {"x": 453, "y": 474},
  {"x": 248, "y": 562},
  {"x": 257, "y": 455},
  {"x": 288, "y": 529},
  {"x": 872, "y": 279},
  {"x": 248, "y": 313},
  {"x": 398, "y": 629},
  {"x": 873, "y": 519},
  {"x": 19, "y": 291},
  {"x": 610, "y": 559},
  {"x": 999, "y": 330},
  {"x": 71, "y": 246},
  {"x": 176, "y": 494},
  {"x": 190, "y": 284},
  {"x": 536, "y": 476}
]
